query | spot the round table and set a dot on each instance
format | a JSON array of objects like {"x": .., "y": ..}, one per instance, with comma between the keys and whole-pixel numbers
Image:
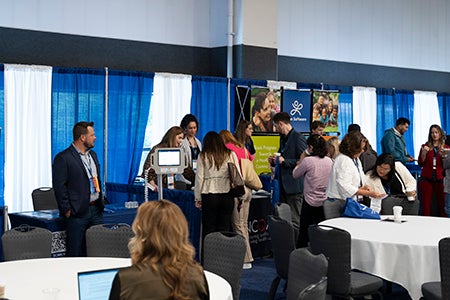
[
  {"x": 405, "y": 253},
  {"x": 26, "y": 279}
]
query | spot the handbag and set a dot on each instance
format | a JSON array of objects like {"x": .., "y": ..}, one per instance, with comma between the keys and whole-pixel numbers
[
  {"x": 237, "y": 185},
  {"x": 355, "y": 209},
  {"x": 251, "y": 179}
]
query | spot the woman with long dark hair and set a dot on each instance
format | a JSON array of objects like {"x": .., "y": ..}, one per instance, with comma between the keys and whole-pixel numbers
[
  {"x": 432, "y": 175},
  {"x": 212, "y": 184},
  {"x": 394, "y": 180}
]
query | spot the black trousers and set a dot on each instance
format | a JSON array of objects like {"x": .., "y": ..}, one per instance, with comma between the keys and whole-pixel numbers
[
  {"x": 217, "y": 212},
  {"x": 310, "y": 215}
]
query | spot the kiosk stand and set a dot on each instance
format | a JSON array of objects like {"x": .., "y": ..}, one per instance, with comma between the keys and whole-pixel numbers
[{"x": 165, "y": 161}]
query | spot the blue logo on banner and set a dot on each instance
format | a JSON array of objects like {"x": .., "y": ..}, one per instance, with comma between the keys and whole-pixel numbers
[{"x": 298, "y": 105}]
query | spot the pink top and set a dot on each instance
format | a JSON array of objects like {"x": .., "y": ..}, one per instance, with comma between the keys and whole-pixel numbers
[
  {"x": 240, "y": 152},
  {"x": 317, "y": 172}
]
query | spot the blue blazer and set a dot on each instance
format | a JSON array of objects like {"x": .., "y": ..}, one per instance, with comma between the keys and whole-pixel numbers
[
  {"x": 291, "y": 146},
  {"x": 71, "y": 182}
]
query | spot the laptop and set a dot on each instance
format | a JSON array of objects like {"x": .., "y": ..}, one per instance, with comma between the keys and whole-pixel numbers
[{"x": 96, "y": 284}]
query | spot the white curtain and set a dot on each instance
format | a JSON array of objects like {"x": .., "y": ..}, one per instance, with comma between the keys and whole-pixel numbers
[
  {"x": 28, "y": 162},
  {"x": 365, "y": 112},
  {"x": 426, "y": 113},
  {"x": 171, "y": 100}
]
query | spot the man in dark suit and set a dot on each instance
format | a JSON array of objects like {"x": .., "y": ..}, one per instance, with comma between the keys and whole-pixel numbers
[
  {"x": 292, "y": 144},
  {"x": 77, "y": 186}
]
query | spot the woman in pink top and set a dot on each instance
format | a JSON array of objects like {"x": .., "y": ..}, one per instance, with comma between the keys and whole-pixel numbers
[
  {"x": 315, "y": 166},
  {"x": 242, "y": 204}
]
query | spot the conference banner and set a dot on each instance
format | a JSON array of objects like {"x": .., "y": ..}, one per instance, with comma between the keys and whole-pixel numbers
[
  {"x": 297, "y": 103},
  {"x": 326, "y": 109}
]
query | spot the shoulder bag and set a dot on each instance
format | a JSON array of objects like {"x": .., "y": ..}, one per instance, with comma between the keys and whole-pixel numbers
[
  {"x": 237, "y": 186},
  {"x": 251, "y": 179}
]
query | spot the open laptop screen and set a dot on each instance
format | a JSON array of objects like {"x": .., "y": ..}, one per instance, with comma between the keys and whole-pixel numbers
[{"x": 95, "y": 285}]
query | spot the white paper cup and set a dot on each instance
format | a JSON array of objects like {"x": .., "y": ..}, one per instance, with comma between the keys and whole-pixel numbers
[{"x": 397, "y": 213}]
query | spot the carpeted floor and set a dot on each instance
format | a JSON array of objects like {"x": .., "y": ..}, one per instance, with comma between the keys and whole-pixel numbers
[{"x": 255, "y": 283}]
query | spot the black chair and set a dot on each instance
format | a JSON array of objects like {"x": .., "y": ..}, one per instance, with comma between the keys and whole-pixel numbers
[
  {"x": 437, "y": 290},
  {"x": 44, "y": 198},
  {"x": 343, "y": 282},
  {"x": 333, "y": 208},
  {"x": 409, "y": 207},
  {"x": 223, "y": 254},
  {"x": 283, "y": 243},
  {"x": 26, "y": 242},
  {"x": 283, "y": 210},
  {"x": 307, "y": 276},
  {"x": 108, "y": 240}
]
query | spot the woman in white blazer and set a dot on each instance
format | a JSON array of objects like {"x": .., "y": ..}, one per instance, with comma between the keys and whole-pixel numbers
[{"x": 396, "y": 182}]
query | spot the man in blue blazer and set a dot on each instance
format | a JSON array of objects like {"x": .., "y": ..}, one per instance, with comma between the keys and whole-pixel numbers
[
  {"x": 77, "y": 186},
  {"x": 292, "y": 144}
]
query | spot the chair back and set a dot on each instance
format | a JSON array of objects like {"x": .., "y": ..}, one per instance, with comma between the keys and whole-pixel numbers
[
  {"x": 409, "y": 207},
  {"x": 444, "y": 261},
  {"x": 26, "y": 242},
  {"x": 335, "y": 244},
  {"x": 333, "y": 208},
  {"x": 283, "y": 211},
  {"x": 223, "y": 254},
  {"x": 307, "y": 275},
  {"x": 44, "y": 198},
  {"x": 282, "y": 239},
  {"x": 108, "y": 240}
]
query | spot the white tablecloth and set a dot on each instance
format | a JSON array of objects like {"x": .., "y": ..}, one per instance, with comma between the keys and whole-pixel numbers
[
  {"x": 26, "y": 279},
  {"x": 405, "y": 253}
]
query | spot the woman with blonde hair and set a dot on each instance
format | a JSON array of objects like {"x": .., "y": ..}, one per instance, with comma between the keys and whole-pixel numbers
[
  {"x": 163, "y": 264},
  {"x": 241, "y": 204}
]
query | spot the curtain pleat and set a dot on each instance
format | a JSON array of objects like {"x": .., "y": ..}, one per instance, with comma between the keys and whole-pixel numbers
[
  {"x": 129, "y": 95},
  {"x": 209, "y": 103},
  {"x": 77, "y": 95},
  {"x": 364, "y": 106},
  {"x": 426, "y": 113},
  {"x": 27, "y": 133}
]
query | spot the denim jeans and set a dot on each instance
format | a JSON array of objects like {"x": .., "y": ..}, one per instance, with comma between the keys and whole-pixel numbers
[{"x": 447, "y": 204}]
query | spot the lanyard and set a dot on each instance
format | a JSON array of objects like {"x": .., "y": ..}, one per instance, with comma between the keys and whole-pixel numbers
[
  {"x": 355, "y": 161},
  {"x": 87, "y": 164}
]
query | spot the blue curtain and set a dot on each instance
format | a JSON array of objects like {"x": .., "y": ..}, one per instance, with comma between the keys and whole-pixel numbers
[
  {"x": 386, "y": 113},
  {"x": 2, "y": 134},
  {"x": 444, "y": 109},
  {"x": 129, "y": 95},
  {"x": 234, "y": 99},
  {"x": 209, "y": 103},
  {"x": 345, "y": 107},
  {"x": 77, "y": 95},
  {"x": 404, "y": 103}
]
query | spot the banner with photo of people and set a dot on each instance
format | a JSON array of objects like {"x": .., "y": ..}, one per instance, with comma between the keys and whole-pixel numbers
[
  {"x": 297, "y": 103},
  {"x": 326, "y": 109},
  {"x": 264, "y": 104}
]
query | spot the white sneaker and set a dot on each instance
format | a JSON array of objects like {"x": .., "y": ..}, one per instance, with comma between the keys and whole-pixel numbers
[{"x": 247, "y": 266}]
